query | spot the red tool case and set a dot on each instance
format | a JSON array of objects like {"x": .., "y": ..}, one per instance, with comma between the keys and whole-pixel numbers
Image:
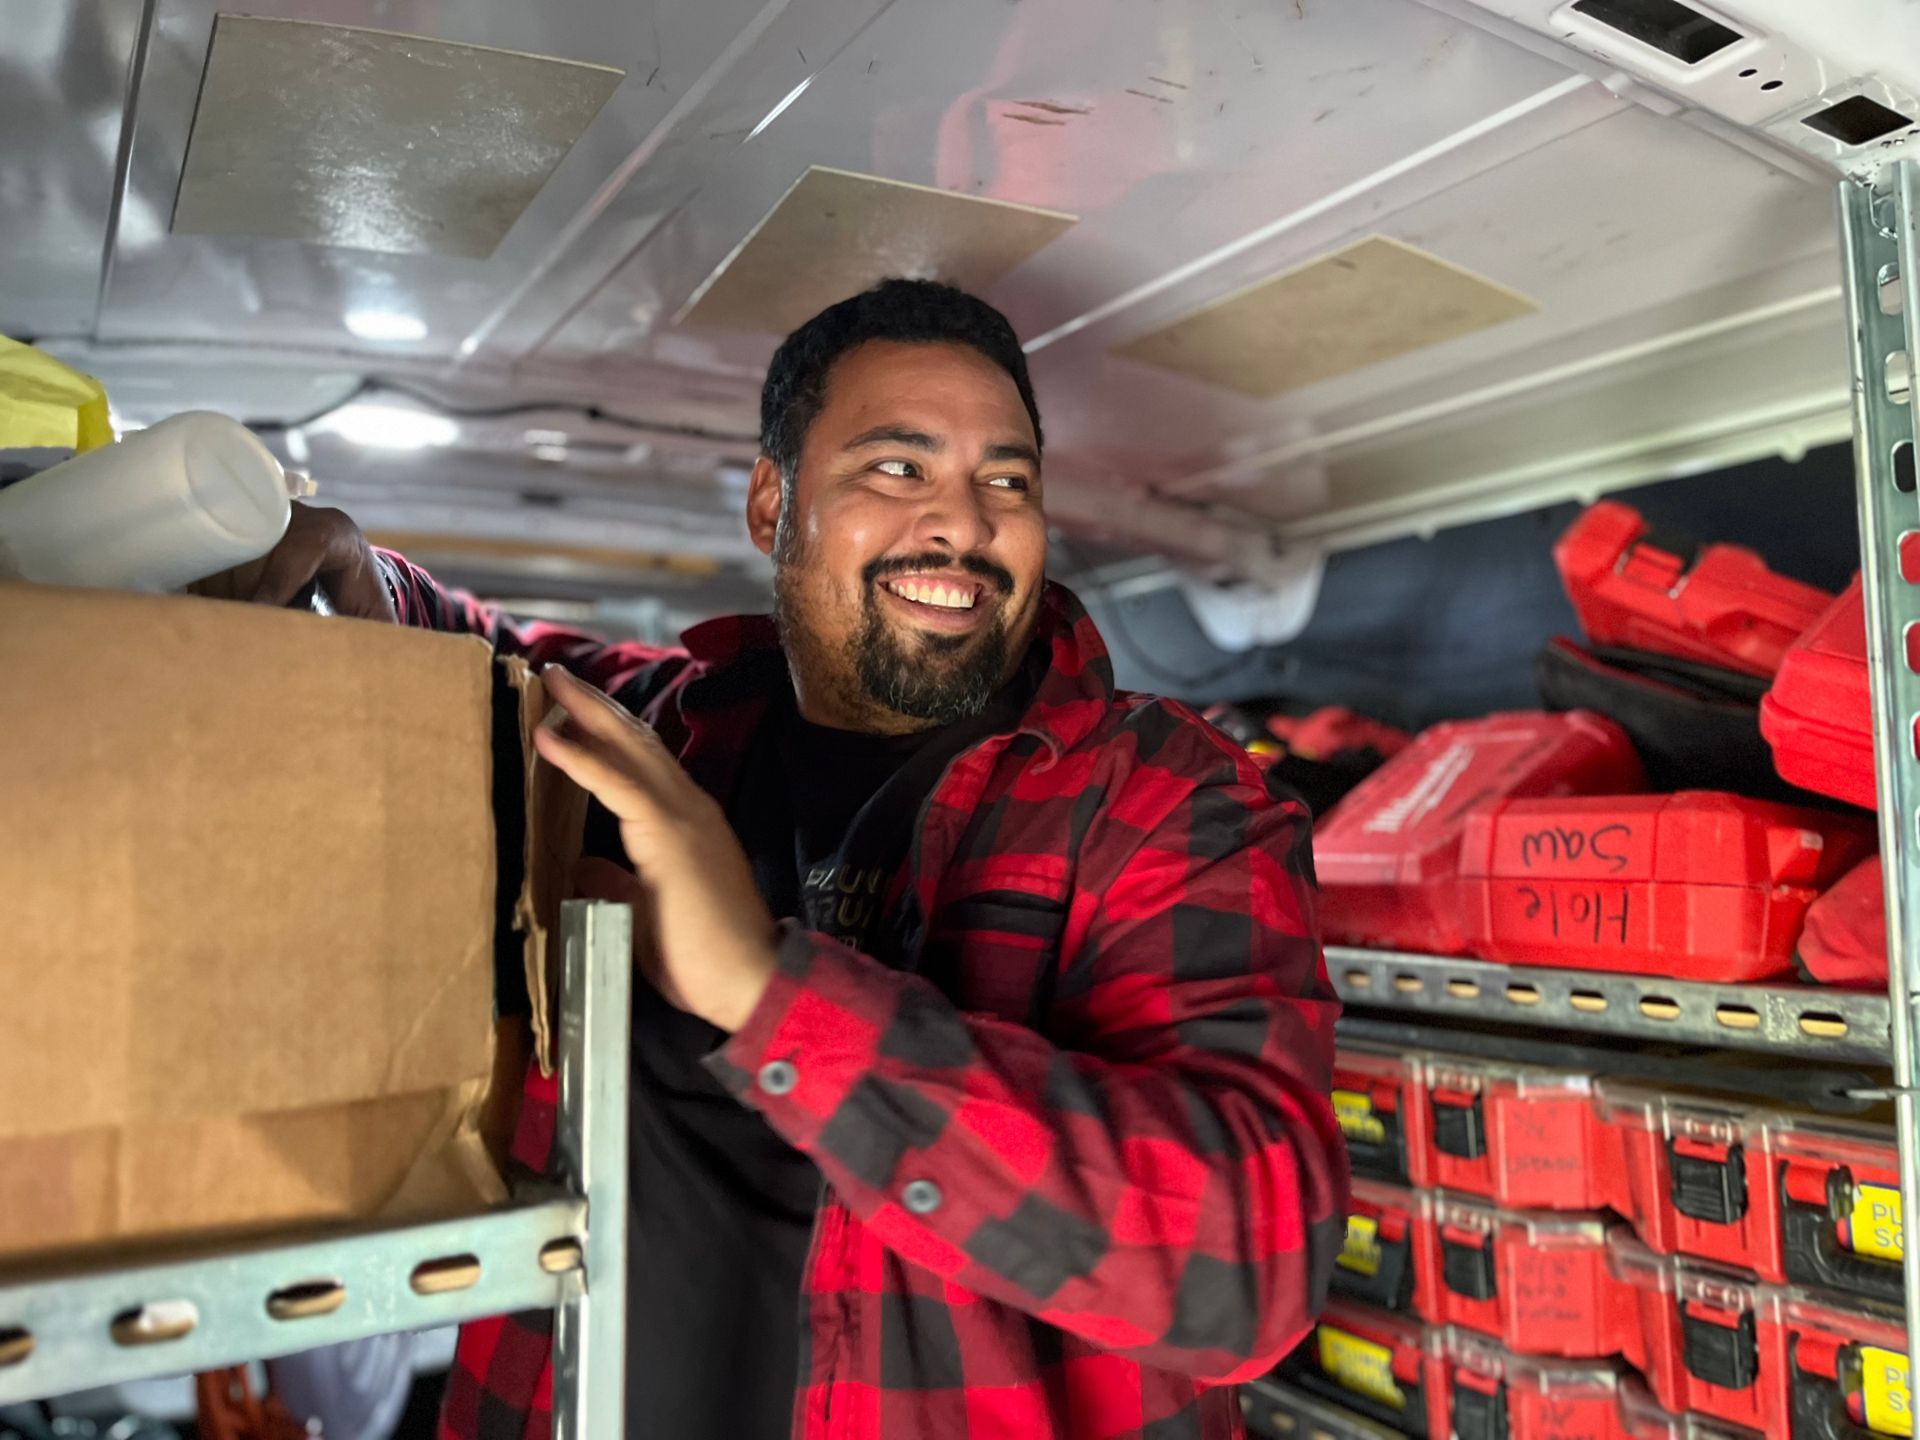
[
  {"x": 1794, "y": 1198},
  {"x": 1844, "y": 941},
  {"x": 1540, "y": 1283},
  {"x": 1791, "y": 1364},
  {"x": 1388, "y": 855},
  {"x": 1375, "y": 1099},
  {"x": 1819, "y": 715},
  {"x": 1491, "y": 1394},
  {"x": 1636, "y": 587},
  {"x": 1699, "y": 886},
  {"x": 1385, "y": 1367},
  {"x": 1524, "y": 1136},
  {"x": 1376, "y": 1264}
]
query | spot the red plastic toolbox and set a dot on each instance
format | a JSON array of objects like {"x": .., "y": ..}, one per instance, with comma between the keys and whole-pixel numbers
[
  {"x": 1540, "y": 1283},
  {"x": 1794, "y": 1198},
  {"x": 1819, "y": 716},
  {"x": 1385, "y": 1367},
  {"x": 1525, "y": 1136},
  {"x": 1635, "y": 587},
  {"x": 1844, "y": 941},
  {"x": 1375, "y": 1265},
  {"x": 1375, "y": 1100},
  {"x": 1388, "y": 855},
  {"x": 1491, "y": 1394},
  {"x": 1698, "y": 886},
  {"x": 1792, "y": 1364}
]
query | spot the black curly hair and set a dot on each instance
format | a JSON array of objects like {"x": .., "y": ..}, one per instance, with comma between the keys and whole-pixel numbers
[{"x": 913, "y": 311}]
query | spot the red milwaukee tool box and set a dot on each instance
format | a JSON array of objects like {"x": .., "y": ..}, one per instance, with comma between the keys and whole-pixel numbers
[
  {"x": 1539, "y": 1283},
  {"x": 1388, "y": 854},
  {"x": 1636, "y": 587},
  {"x": 1792, "y": 1364},
  {"x": 1490, "y": 1394},
  {"x": 1375, "y": 1265},
  {"x": 1794, "y": 1198},
  {"x": 1385, "y": 1367},
  {"x": 1844, "y": 941},
  {"x": 1524, "y": 1136},
  {"x": 1698, "y": 886},
  {"x": 1376, "y": 1102},
  {"x": 1819, "y": 716}
]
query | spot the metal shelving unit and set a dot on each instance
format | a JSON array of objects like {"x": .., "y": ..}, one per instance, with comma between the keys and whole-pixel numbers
[
  {"x": 1882, "y": 252},
  {"x": 1275, "y": 1410},
  {"x": 1807, "y": 1022},
  {"x": 67, "y": 1330}
]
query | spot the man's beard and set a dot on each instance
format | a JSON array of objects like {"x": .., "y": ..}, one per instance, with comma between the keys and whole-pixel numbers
[{"x": 940, "y": 679}]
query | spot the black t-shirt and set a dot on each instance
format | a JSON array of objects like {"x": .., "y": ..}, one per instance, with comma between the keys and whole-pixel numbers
[{"x": 722, "y": 1208}]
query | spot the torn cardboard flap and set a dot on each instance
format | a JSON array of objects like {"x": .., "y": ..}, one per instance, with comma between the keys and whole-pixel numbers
[
  {"x": 556, "y": 812},
  {"x": 249, "y": 859}
]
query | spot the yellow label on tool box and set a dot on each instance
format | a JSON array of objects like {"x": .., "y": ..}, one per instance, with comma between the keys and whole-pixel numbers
[
  {"x": 1874, "y": 1224},
  {"x": 1361, "y": 1252},
  {"x": 1354, "y": 1111},
  {"x": 1360, "y": 1366},
  {"x": 1883, "y": 1386}
]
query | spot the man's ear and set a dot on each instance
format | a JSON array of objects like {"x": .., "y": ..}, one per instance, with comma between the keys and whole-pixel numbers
[{"x": 765, "y": 493}]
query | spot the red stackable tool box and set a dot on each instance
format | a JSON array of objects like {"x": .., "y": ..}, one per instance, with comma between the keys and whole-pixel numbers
[
  {"x": 1385, "y": 1367},
  {"x": 1794, "y": 1198},
  {"x": 1524, "y": 1136},
  {"x": 1540, "y": 1283},
  {"x": 1844, "y": 941},
  {"x": 1491, "y": 1394},
  {"x": 1789, "y": 1363},
  {"x": 1697, "y": 886},
  {"x": 1388, "y": 855},
  {"x": 1818, "y": 717},
  {"x": 1636, "y": 587},
  {"x": 1375, "y": 1101},
  {"x": 1375, "y": 1265}
]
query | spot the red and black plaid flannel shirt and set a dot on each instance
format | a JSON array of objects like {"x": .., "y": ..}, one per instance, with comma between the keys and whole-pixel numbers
[{"x": 1091, "y": 1178}]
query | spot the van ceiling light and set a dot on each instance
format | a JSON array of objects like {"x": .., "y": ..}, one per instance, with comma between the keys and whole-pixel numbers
[
  {"x": 1857, "y": 121},
  {"x": 365, "y": 139},
  {"x": 1668, "y": 26},
  {"x": 1376, "y": 299},
  {"x": 834, "y": 233},
  {"x": 392, "y": 427}
]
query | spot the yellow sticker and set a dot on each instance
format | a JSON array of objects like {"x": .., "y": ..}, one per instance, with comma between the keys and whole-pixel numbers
[
  {"x": 1874, "y": 1222},
  {"x": 1883, "y": 1384},
  {"x": 1362, "y": 1366},
  {"x": 1361, "y": 1253},
  {"x": 1354, "y": 1111}
]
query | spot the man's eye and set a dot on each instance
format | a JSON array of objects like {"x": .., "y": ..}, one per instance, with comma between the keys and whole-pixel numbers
[
  {"x": 1011, "y": 482},
  {"x": 903, "y": 469}
]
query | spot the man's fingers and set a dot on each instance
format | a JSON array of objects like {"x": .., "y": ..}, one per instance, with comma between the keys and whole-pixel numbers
[
  {"x": 598, "y": 716},
  {"x": 608, "y": 774}
]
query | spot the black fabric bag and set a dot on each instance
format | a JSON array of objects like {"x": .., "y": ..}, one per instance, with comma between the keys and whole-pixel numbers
[{"x": 1696, "y": 727}]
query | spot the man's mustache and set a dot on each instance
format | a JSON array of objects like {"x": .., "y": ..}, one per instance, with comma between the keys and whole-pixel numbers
[{"x": 978, "y": 566}]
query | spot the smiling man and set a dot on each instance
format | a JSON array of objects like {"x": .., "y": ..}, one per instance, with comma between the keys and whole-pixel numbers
[{"x": 981, "y": 1082}]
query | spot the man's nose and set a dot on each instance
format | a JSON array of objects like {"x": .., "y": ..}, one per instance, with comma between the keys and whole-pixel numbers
[{"x": 954, "y": 520}]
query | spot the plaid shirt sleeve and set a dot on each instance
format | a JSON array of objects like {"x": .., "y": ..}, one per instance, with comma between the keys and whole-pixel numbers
[
  {"x": 1169, "y": 1183},
  {"x": 423, "y": 602}
]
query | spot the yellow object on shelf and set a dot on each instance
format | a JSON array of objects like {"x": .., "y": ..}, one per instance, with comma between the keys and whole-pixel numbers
[{"x": 45, "y": 405}]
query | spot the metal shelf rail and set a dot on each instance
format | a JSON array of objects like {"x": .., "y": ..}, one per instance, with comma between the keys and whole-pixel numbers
[
  {"x": 1882, "y": 253},
  {"x": 62, "y": 1331},
  {"x": 1275, "y": 1410},
  {"x": 1802, "y": 1020}
]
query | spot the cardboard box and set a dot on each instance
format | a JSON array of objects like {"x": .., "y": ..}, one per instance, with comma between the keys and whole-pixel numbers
[{"x": 248, "y": 870}]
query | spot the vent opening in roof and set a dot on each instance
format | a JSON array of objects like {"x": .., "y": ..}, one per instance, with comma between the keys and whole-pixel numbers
[
  {"x": 1857, "y": 121},
  {"x": 1668, "y": 26}
]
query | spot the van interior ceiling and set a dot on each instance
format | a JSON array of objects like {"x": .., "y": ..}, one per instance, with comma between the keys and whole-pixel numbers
[{"x": 1341, "y": 315}]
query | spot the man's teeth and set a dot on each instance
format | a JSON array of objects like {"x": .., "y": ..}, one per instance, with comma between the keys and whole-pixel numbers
[{"x": 947, "y": 597}]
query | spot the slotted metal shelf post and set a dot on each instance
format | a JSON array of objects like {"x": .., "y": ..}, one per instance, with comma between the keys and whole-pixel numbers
[
  {"x": 72, "y": 1329},
  {"x": 1882, "y": 255}
]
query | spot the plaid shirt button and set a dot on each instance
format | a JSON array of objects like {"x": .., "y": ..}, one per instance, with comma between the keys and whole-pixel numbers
[
  {"x": 778, "y": 1077},
  {"x": 922, "y": 1197}
]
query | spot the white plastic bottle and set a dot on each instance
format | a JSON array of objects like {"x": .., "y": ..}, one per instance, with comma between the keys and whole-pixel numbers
[{"x": 192, "y": 496}]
